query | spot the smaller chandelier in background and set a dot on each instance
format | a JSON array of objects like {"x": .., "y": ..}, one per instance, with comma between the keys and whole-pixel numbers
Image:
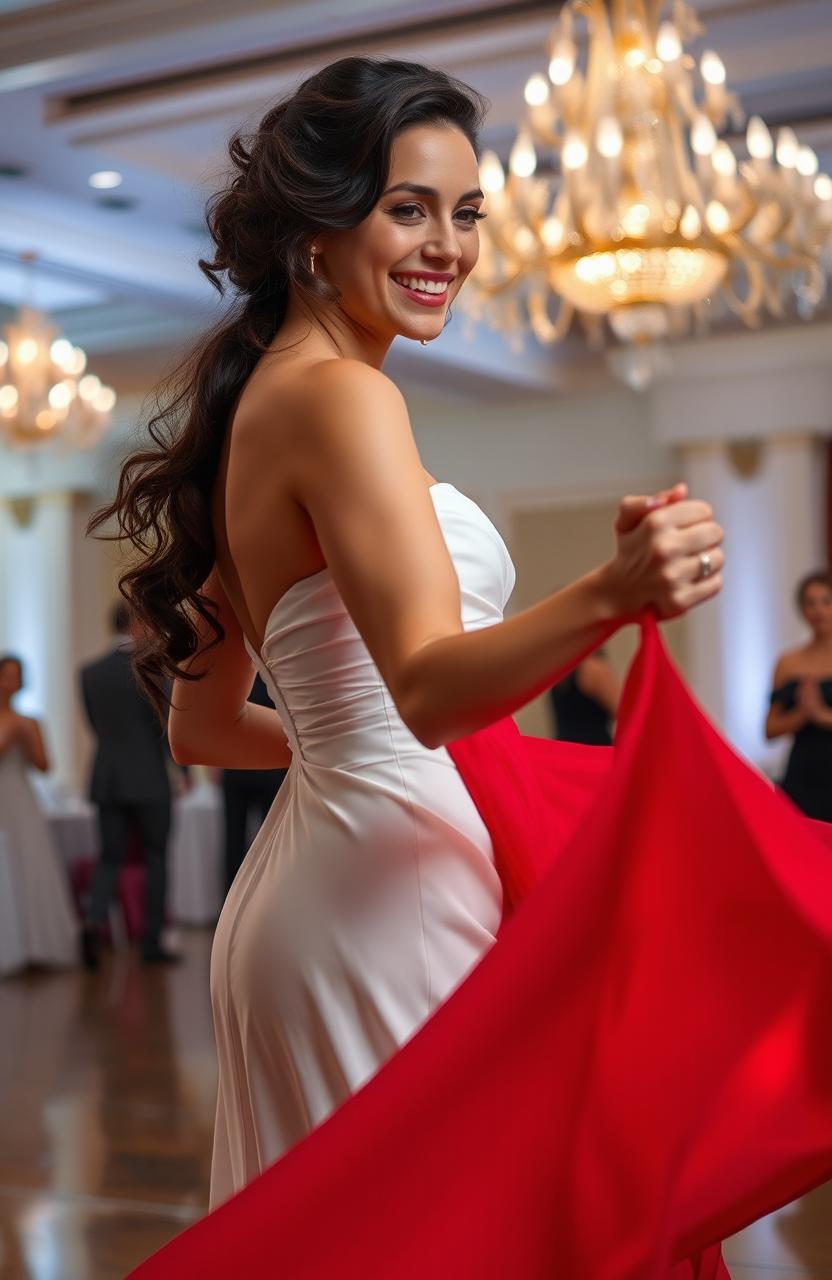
[
  {"x": 650, "y": 223},
  {"x": 46, "y": 392}
]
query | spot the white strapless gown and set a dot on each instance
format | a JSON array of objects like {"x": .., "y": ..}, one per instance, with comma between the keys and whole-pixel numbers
[
  {"x": 370, "y": 891},
  {"x": 47, "y": 920}
]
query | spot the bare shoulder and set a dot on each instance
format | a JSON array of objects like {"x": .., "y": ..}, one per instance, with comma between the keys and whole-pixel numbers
[
  {"x": 788, "y": 666},
  {"x": 349, "y": 419}
]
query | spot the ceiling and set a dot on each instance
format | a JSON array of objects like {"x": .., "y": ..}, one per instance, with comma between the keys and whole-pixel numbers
[{"x": 154, "y": 87}]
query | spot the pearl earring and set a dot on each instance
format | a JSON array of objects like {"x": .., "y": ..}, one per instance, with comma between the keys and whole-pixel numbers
[
  {"x": 312, "y": 253},
  {"x": 423, "y": 341}
]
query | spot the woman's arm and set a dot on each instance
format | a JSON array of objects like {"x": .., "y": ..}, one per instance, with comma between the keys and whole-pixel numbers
[
  {"x": 211, "y": 722},
  {"x": 356, "y": 470},
  {"x": 780, "y": 722},
  {"x": 597, "y": 680},
  {"x": 33, "y": 744}
]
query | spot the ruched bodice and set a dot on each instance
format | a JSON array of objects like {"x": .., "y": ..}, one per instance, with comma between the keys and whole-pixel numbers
[
  {"x": 370, "y": 891},
  {"x": 334, "y": 705}
]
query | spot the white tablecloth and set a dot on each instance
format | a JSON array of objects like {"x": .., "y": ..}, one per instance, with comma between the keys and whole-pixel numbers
[
  {"x": 195, "y": 872},
  {"x": 195, "y": 858},
  {"x": 12, "y": 950}
]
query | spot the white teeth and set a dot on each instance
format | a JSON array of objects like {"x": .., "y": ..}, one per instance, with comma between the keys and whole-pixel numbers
[{"x": 422, "y": 286}]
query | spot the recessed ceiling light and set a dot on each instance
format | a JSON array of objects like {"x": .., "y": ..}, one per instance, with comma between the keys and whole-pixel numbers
[{"x": 105, "y": 179}]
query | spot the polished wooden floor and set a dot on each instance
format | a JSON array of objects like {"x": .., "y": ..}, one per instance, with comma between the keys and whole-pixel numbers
[{"x": 107, "y": 1088}]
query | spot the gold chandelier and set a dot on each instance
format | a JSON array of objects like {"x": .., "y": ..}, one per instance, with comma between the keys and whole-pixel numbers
[
  {"x": 46, "y": 392},
  {"x": 646, "y": 217}
]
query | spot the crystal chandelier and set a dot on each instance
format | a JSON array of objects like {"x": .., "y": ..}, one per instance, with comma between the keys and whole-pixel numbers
[
  {"x": 45, "y": 391},
  {"x": 648, "y": 224}
]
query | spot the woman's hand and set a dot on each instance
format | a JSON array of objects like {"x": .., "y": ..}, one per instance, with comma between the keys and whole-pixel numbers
[
  {"x": 808, "y": 698},
  {"x": 657, "y": 565}
]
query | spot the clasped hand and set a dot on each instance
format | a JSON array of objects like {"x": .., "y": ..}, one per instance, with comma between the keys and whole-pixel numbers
[{"x": 664, "y": 543}]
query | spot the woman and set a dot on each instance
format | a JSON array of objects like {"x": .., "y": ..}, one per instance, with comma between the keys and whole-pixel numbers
[
  {"x": 286, "y": 525},
  {"x": 48, "y": 923},
  {"x": 801, "y": 702},
  {"x": 585, "y": 702}
]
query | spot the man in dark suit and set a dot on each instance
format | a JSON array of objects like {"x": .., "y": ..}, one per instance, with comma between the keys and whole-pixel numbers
[
  {"x": 130, "y": 786},
  {"x": 244, "y": 791}
]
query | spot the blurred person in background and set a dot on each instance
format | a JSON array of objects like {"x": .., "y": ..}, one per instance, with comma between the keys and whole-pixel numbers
[
  {"x": 801, "y": 702},
  {"x": 246, "y": 791},
  {"x": 130, "y": 786},
  {"x": 43, "y": 904},
  {"x": 585, "y": 702}
]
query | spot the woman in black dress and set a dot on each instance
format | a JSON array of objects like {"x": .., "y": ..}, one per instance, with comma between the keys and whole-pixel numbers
[
  {"x": 585, "y": 703},
  {"x": 801, "y": 703}
]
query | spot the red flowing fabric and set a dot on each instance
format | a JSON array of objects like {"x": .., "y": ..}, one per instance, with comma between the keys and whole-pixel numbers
[{"x": 639, "y": 1067}]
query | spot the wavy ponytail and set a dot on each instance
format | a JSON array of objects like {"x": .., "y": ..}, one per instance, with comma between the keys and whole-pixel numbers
[{"x": 318, "y": 161}]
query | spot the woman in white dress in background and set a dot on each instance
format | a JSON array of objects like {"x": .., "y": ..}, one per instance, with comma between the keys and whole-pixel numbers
[
  {"x": 285, "y": 523},
  {"x": 45, "y": 914}
]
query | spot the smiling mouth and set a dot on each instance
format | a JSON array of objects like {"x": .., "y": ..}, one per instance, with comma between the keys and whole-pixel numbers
[{"x": 430, "y": 293}]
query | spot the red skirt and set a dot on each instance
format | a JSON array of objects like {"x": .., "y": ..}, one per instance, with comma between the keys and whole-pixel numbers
[{"x": 639, "y": 1067}]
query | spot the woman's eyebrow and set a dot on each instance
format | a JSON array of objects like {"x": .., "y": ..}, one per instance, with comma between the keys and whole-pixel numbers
[{"x": 431, "y": 191}]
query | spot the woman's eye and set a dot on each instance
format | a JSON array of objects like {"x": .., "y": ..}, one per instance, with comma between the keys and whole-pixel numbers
[{"x": 409, "y": 213}]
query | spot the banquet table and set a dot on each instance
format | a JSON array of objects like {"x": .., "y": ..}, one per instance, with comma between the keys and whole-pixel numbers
[{"x": 194, "y": 852}]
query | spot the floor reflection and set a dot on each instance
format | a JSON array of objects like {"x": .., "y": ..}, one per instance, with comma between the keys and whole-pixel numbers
[{"x": 107, "y": 1087}]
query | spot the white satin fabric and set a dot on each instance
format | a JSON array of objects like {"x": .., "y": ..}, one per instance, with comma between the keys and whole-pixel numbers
[{"x": 370, "y": 890}]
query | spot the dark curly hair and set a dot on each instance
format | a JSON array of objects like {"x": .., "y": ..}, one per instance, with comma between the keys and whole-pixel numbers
[
  {"x": 318, "y": 161},
  {"x": 818, "y": 578}
]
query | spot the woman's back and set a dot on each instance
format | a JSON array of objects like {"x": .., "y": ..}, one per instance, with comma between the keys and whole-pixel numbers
[{"x": 370, "y": 891}]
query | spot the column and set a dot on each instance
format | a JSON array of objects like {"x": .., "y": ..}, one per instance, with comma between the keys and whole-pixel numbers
[{"x": 768, "y": 495}]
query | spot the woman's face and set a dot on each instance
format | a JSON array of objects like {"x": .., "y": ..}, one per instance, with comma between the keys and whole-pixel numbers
[
  {"x": 817, "y": 608},
  {"x": 423, "y": 231},
  {"x": 10, "y": 678}
]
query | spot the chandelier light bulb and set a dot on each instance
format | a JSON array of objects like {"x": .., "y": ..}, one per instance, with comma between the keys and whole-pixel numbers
[
  {"x": 60, "y": 396},
  {"x": 492, "y": 176},
  {"x": 4, "y": 352},
  {"x": 717, "y": 217},
  {"x": 807, "y": 162},
  {"x": 104, "y": 400},
  {"x": 668, "y": 44},
  {"x": 574, "y": 151},
  {"x": 724, "y": 160},
  {"x": 759, "y": 140},
  {"x": 27, "y": 351},
  {"x": 690, "y": 224},
  {"x": 635, "y": 57},
  {"x": 536, "y": 91},
  {"x": 787, "y": 148},
  {"x": 524, "y": 241},
  {"x": 609, "y": 138},
  {"x": 552, "y": 232},
  {"x": 702, "y": 136},
  {"x": 61, "y": 353},
  {"x": 712, "y": 68},
  {"x": 823, "y": 186},
  {"x": 523, "y": 159},
  {"x": 89, "y": 387},
  {"x": 634, "y": 220},
  {"x": 46, "y": 419},
  {"x": 78, "y": 363},
  {"x": 562, "y": 63},
  {"x": 8, "y": 399}
]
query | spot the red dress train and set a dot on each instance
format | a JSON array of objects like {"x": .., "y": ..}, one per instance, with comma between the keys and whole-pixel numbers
[{"x": 641, "y": 1066}]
